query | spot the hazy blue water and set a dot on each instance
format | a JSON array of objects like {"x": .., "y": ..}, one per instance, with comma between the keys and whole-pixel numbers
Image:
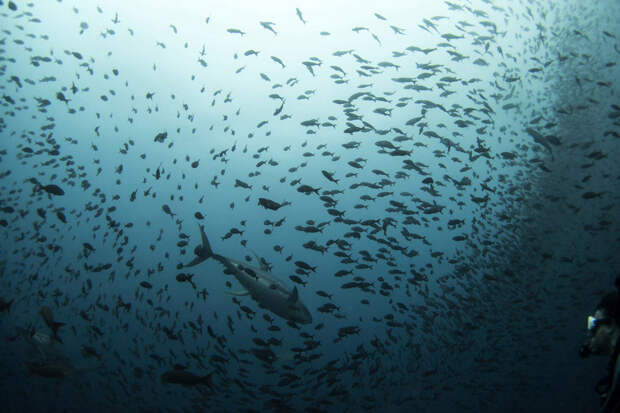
[{"x": 472, "y": 336}]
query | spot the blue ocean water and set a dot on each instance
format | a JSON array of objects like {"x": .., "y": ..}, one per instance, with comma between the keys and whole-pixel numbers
[{"x": 441, "y": 184}]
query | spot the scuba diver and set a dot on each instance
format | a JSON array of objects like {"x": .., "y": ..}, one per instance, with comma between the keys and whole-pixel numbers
[{"x": 603, "y": 334}]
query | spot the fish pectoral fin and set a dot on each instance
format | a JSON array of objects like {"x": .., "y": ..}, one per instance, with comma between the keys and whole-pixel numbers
[
  {"x": 195, "y": 261},
  {"x": 238, "y": 293}
]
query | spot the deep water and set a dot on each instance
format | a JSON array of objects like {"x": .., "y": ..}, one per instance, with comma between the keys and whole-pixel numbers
[{"x": 439, "y": 185}]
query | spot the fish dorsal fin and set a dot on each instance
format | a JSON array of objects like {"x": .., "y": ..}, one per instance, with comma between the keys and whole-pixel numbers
[
  {"x": 261, "y": 264},
  {"x": 294, "y": 296}
]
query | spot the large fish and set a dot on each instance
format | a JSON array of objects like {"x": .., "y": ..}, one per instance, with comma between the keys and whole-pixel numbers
[{"x": 266, "y": 290}]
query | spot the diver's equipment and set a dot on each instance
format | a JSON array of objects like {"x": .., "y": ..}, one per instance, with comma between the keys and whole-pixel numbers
[
  {"x": 610, "y": 396},
  {"x": 604, "y": 386},
  {"x": 584, "y": 351},
  {"x": 594, "y": 322},
  {"x": 591, "y": 322}
]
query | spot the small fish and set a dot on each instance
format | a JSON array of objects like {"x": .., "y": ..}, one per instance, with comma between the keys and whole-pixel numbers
[
  {"x": 61, "y": 216},
  {"x": 182, "y": 277},
  {"x": 48, "y": 317},
  {"x": 269, "y": 204},
  {"x": 307, "y": 189},
  {"x": 592, "y": 195},
  {"x": 305, "y": 266},
  {"x": 540, "y": 139},
  {"x": 51, "y": 189},
  {"x": 167, "y": 210},
  {"x": 146, "y": 285},
  {"x": 49, "y": 370},
  {"x": 279, "y": 110},
  {"x": 161, "y": 136},
  {"x": 88, "y": 351},
  {"x": 300, "y": 16},
  {"x": 235, "y": 31},
  {"x": 181, "y": 376},
  {"x": 278, "y": 61},
  {"x": 269, "y": 26},
  {"x": 60, "y": 96},
  {"x": 329, "y": 176},
  {"x": 239, "y": 183}
]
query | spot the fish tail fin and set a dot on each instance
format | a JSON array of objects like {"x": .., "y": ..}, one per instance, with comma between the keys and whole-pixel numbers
[
  {"x": 203, "y": 252},
  {"x": 206, "y": 246}
]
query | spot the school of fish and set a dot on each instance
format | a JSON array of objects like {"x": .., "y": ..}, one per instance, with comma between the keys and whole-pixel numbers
[{"x": 241, "y": 225}]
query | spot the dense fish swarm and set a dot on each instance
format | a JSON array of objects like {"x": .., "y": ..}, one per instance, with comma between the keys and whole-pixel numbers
[{"x": 417, "y": 206}]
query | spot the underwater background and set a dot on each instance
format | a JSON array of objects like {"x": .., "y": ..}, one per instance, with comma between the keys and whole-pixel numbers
[{"x": 436, "y": 182}]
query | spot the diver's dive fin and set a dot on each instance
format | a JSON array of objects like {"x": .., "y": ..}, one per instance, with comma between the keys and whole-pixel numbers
[{"x": 238, "y": 293}]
